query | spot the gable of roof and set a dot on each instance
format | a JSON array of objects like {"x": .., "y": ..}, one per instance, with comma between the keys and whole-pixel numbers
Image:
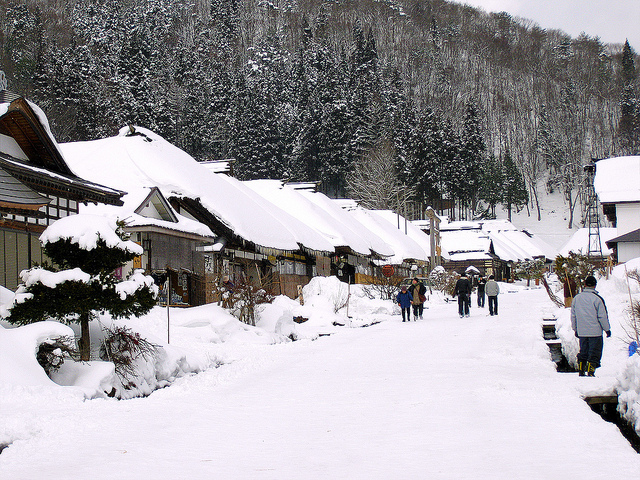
[
  {"x": 156, "y": 206},
  {"x": 23, "y": 124}
]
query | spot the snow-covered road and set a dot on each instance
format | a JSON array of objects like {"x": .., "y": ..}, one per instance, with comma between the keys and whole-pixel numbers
[{"x": 444, "y": 398}]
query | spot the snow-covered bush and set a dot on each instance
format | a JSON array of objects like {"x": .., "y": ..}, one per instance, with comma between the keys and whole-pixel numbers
[
  {"x": 442, "y": 280},
  {"x": 86, "y": 251},
  {"x": 53, "y": 352},
  {"x": 123, "y": 347},
  {"x": 529, "y": 270}
]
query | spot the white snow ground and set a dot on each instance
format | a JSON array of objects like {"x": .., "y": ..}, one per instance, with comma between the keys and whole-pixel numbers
[{"x": 442, "y": 398}]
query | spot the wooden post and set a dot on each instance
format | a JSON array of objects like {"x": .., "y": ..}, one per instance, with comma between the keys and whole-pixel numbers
[{"x": 168, "y": 303}]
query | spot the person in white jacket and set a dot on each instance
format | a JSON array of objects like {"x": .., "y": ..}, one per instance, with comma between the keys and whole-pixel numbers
[
  {"x": 492, "y": 289},
  {"x": 589, "y": 318}
]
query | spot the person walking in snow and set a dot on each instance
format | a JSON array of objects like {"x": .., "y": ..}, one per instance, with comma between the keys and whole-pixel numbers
[
  {"x": 492, "y": 289},
  {"x": 463, "y": 291},
  {"x": 481, "y": 284},
  {"x": 417, "y": 290},
  {"x": 589, "y": 318},
  {"x": 403, "y": 299}
]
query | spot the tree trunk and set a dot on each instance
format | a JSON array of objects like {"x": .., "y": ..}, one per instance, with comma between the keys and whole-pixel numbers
[{"x": 85, "y": 341}]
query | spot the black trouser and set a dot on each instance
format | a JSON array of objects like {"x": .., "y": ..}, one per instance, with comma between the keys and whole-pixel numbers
[
  {"x": 493, "y": 305},
  {"x": 590, "y": 350},
  {"x": 464, "y": 302},
  {"x": 481, "y": 298},
  {"x": 418, "y": 309},
  {"x": 406, "y": 311}
]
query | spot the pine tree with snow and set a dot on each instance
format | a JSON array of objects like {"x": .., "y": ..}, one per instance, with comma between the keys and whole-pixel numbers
[{"x": 86, "y": 250}]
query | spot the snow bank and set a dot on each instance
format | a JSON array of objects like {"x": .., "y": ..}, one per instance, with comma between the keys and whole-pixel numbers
[
  {"x": 18, "y": 347},
  {"x": 628, "y": 388}
]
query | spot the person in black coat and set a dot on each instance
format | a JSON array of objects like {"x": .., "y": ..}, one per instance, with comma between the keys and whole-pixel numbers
[
  {"x": 481, "y": 283},
  {"x": 463, "y": 291}
]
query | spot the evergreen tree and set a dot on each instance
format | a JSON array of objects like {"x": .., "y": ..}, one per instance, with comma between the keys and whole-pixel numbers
[
  {"x": 514, "y": 190},
  {"x": 472, "y": 156},
  {"x": 432, "y": 159},
  {"x": 629, "y": 124},
  {"x": 84, "y": 282},
  {"x": 491, "y": 184}
]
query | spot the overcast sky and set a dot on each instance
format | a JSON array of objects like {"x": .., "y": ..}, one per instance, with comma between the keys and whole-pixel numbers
[{"x": 611, "y": 20}]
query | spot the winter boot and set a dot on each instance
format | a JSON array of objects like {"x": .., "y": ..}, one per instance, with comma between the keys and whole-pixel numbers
[
  {"x": 582, "y": 367},
  {"x": 591, "y": 369}
]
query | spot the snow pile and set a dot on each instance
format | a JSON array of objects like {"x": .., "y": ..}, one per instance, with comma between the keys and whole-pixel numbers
[
  {"x": 628, "y": 389},
  {"x": 329, "y": 304},
  {"x": 85, "y": 230},
  {"x": 18, "y": 347},
  {"x": 193, "y": 332}
]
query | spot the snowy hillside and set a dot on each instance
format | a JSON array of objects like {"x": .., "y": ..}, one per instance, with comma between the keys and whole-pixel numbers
[{"x": 552, "y": 227}]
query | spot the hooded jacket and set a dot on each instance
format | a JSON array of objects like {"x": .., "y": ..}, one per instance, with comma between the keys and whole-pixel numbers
[
  {"x": 404, "y": 299},
  {"x": 589, "y": 316}
]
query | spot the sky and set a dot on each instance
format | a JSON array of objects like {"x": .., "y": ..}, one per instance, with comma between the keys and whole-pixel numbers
[{"x": 612, "y": 21}]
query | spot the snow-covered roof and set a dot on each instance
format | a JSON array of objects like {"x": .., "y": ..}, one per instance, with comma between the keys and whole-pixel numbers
[
  {"x": 404, "y": 247},
  {"x": 465, "y": 241},
  {"x": 509, "y": 243},
  {"x": 133, "y": 202},
  {"x": 579, "y": 241},
  {"x": 618, "y": 179},
  {"x": 322, "y": 215},
  {"x": 139, "y": 159}
]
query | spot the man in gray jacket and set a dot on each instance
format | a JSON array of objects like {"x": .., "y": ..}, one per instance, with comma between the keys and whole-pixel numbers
[
  {"x": 589, "y": 319},
  {"x": 492, "y": 289}
]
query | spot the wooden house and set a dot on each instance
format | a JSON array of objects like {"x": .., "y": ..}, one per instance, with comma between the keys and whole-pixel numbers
[{"x": 37, "y": 187}]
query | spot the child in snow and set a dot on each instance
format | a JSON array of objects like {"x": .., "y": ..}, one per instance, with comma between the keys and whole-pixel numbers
[{"x": 403, "y": 299}]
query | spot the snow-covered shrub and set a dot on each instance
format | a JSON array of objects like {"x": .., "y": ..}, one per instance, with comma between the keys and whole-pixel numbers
[
  {"x": 529, "y": 270},
  {"x": 242, "y": 297},
  {"x": 577, "y": 267},
  {"x": 124, "y": 347},
  {"x": 53, "y": 352},
  {"x": 443, "y": 281}
]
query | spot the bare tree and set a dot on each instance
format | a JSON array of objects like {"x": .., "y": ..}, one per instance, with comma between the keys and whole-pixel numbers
[{"x": 374, "y": 182}]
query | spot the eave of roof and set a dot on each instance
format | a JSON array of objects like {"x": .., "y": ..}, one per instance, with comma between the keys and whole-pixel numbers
[
  {"x": 629, "y": 237},
  {"x": 45, "y": 181}
]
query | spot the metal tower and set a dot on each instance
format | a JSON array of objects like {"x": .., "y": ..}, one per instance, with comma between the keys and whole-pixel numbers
[{"x": 593, "y": 215}]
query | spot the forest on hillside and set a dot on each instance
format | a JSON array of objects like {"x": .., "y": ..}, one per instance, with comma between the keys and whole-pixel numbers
[{"x": 400, "y": 104}]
